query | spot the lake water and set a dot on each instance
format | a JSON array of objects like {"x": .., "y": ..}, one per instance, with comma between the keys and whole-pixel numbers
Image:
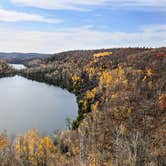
[
  {"x": 26, "y": 104},
  {"x": 18, "y": 66}
]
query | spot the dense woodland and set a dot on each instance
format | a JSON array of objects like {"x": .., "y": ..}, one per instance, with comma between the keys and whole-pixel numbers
[
  {"x": 5, "y": 70},
  {"x": 20, "y": 57},
  {"x": 121, "y": 94}
]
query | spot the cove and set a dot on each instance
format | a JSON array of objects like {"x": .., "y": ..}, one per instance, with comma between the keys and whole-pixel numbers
[{"x": 26, "y": 104}]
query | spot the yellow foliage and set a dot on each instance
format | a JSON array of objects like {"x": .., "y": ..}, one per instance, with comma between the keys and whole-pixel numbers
[
  {"x": 3, "y": 141},
  {"x": 149, "y": 72},
  {"x": 105, "y": 78},
  {"x": 75, "y": 78},
  {"x": 46, "y": 142},
  {"x": 31, "y": 138},
  {"x": 34, "y": 146},
  {"x": 102, "y": 54},
  {"x": 122, "y": 129},
  {"x": 121, "y": 72},
  {"x": 95, "y": 106},
  {"x": 45, "y": 145},
  {"x": 91, "y": 93},
  {"x": 91, "y": 71},
  {"x": 28, "y": 142},
  {"x": 114, "y": 96},
  {"x": 84, "y": 104},
  {"x": 129, "y": 110},
  {"x": 125, "y": 82}
]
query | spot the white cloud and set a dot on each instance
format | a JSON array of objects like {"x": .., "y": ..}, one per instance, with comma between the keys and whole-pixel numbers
[
  {"x": 155, "y": 27},
  {"x": 14, "y": 16},
  {"x": 77, "y": 38},
  {"x": 77, "y": 4},
  {"x": 58, "y": 4}
]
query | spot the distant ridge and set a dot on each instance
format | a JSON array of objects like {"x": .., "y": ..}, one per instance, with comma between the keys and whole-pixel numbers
[{"x": 15, "y": 57}]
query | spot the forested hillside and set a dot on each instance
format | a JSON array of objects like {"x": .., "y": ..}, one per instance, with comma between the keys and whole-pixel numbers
[
  {"x": 5, "y": 70},
  {"x": 20, "y": 57},
  {"x": 121, "y": 121}
]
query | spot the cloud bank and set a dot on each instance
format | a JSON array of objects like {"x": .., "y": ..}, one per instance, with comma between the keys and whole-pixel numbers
[
  {"x": 79, "y": 38},
  {"x": 14, "y": 16}
]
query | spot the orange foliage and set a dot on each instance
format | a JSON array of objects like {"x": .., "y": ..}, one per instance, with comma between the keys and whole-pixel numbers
[{"x": 162, "y": 102}]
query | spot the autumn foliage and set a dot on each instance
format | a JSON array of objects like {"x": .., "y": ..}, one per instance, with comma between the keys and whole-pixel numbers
[
  {"x": 102, "y": 54},
  {"x": 162, "y": 101},
  {"x": 121, "y": 117}
]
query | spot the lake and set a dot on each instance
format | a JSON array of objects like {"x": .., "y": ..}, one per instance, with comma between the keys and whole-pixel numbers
[
  {"x": 26, "y": 104},
  {"x": 18, "y": 66}
]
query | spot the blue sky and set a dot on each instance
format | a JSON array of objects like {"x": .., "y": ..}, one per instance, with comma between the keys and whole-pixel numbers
[{"x": 59, "y": 25}]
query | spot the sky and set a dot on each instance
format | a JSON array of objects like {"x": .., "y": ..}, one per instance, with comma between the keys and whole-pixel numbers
[{"x": 50, "y": 26}]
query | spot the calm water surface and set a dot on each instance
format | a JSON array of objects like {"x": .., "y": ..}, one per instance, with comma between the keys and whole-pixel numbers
[
  {"x": 26, "y": 104},
  {"x": 18, "y": 66}
]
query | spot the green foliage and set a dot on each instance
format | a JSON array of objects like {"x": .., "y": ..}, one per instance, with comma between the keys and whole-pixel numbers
[{"x": 68, "y": 122}]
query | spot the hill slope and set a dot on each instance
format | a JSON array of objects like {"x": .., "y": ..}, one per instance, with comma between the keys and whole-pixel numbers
[
  {"x": 20, "y": 57},
  {"x": 5, "y": 70},
  {"x": 122, "y": 101},
  {"x": 121, "y": 95}
]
